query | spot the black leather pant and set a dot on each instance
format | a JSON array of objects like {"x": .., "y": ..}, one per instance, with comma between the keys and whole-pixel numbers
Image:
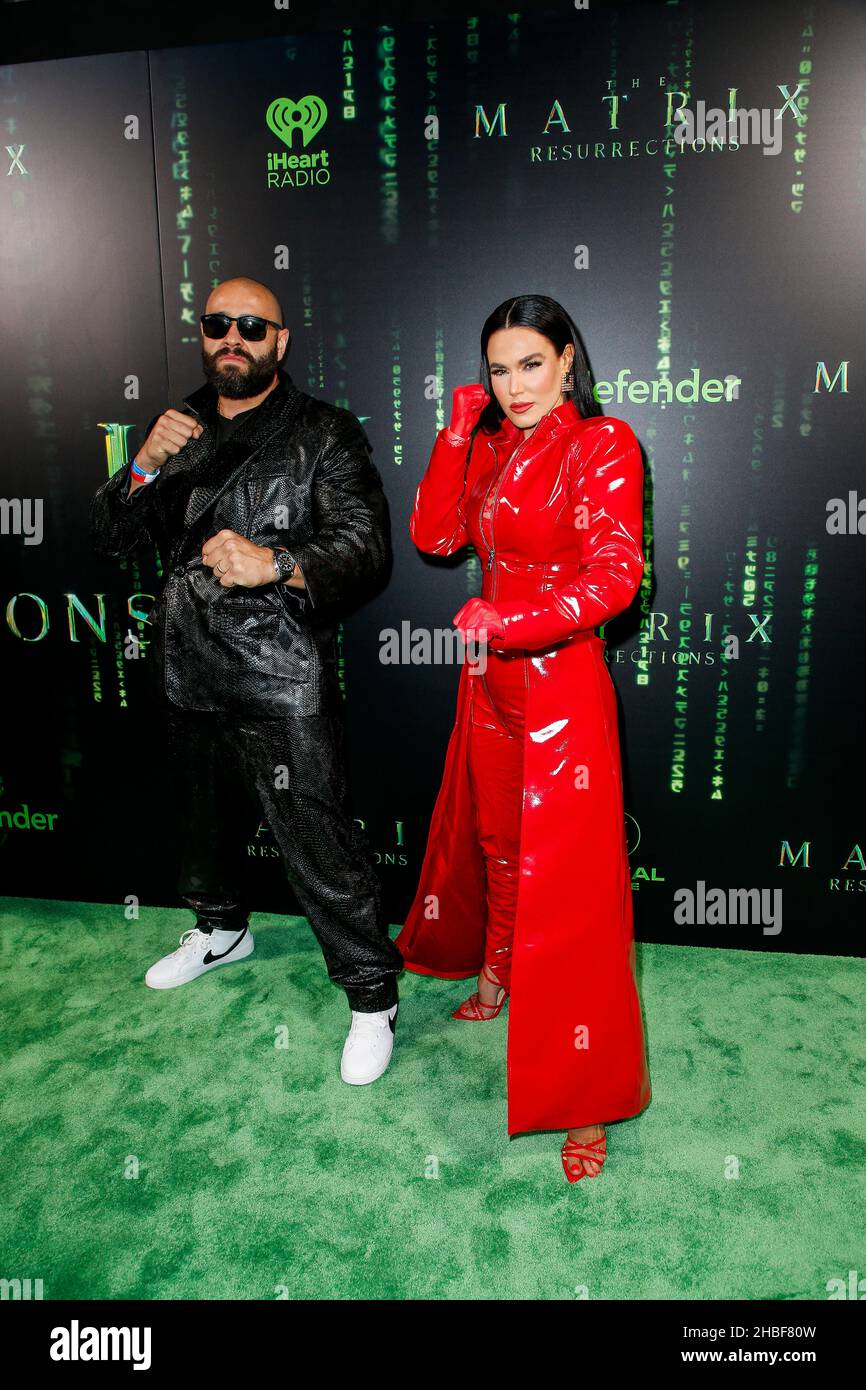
[{"x": 231, "y": 772}]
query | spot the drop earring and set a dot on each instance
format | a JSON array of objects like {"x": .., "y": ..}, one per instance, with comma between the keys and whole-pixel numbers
[{"x": 568, "y": 379}]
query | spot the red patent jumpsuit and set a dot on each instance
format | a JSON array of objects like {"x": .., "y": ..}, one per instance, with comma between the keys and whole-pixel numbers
[
  {"x": 526, "y": 862},
  {"x": 496, "y": 732}
]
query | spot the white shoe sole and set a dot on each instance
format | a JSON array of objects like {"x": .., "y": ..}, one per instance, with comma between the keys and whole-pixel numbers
[
  {"x": 245, "y": 949},
  {"x": 366, "y": 1079}
]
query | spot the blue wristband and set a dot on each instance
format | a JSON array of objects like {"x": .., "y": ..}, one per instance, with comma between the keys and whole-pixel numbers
[{"x": 141, "y": 473}]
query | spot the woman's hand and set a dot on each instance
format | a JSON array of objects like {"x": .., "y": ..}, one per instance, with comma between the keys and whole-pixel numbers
[
  {"x": 468, "y": 404},
  {"x": 478, "y": 621}
]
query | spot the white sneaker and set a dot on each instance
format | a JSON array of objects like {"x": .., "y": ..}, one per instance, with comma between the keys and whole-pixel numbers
[
  {"x": 367, "y": 1049},
  {"x": 194, "y": 956}
]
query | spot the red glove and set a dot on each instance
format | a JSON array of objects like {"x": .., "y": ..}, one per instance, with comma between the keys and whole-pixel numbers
[
  {"x": 478, "y": 621},
  {"x": 469, "y": 402}
]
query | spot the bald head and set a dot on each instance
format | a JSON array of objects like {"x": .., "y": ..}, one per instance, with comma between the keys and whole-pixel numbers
[{"x": 242, "y": 295}]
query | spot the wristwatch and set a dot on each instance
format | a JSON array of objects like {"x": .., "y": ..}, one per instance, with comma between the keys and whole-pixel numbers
[{"x": 284, "y": 564}]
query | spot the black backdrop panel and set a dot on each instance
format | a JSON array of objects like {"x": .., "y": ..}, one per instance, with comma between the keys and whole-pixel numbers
[{"x": 388, "y": 252}]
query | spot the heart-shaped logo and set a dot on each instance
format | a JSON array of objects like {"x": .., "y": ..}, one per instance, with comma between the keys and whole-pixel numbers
[{"x": 308, "y": 115}]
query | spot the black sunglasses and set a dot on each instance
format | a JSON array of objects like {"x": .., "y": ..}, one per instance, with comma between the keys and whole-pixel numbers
[{"x": 251, "y": 328}]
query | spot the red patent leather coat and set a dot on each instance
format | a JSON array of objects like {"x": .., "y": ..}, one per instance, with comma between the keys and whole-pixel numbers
[{"x": 566, "y": 531}]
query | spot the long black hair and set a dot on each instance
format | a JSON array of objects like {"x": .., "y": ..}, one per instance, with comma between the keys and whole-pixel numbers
[{"x": 547, "y": 317}]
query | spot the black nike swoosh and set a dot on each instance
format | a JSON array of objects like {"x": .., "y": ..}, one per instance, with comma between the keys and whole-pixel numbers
[
  {"x": 209, "y": 956},
  {"x": 392, "y": 1022}
]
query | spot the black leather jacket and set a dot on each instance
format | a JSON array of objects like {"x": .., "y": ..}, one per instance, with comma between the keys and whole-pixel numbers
[{"x": 298, "y": 473}]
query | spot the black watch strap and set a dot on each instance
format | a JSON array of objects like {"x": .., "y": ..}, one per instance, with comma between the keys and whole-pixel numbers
[{"x": 284, "y": 562}]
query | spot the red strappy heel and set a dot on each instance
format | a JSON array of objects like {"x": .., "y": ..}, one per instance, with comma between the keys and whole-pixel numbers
[
  {"x": 470, "y": 1009},
  {"x": 573, "y": 1150}
]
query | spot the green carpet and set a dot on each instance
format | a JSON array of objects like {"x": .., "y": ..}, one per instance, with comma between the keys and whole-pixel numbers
[{"x": 260, "y": 1172}]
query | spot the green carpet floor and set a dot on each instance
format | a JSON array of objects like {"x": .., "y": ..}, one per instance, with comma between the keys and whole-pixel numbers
[{"x": 261, "y": 1173}]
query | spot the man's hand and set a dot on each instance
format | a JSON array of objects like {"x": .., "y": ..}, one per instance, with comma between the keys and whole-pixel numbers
[
  {"x": 170, "y": 433},
  {"x": 235, "y": 561}
]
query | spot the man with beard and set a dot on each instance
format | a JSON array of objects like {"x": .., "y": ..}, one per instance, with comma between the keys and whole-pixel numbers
[{"x": 269, "y": 517}]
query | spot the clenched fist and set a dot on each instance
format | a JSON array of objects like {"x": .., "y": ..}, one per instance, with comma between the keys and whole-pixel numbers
[
  {"x": 468, "y": 404},
  {"x": 170, "y": 433},
  {"x": 478, "y": 621},
  {"x": 237, "y": 562}
]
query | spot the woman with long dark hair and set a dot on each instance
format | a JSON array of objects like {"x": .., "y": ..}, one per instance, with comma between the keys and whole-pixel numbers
[{"x": 525, "y": 880}]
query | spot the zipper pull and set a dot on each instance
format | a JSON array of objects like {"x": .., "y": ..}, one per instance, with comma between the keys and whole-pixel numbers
[{"x": 490, "y": 559}]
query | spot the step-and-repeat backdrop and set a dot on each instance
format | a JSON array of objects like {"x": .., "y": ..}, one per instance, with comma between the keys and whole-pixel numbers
[{"x": 393, "y": 185}]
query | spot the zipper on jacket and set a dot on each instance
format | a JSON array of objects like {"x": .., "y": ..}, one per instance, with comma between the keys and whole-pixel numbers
[
  {"x": 498, "y": 486},
  {"x": 492, "y": 550}
]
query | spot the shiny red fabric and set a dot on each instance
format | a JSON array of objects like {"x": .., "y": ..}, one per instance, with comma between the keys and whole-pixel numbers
[
  {"x": 561, "y": 550},
  {"x": 497, "y": 729}
]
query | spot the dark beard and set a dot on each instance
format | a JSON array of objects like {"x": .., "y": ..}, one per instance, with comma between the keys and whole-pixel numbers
[{"x": 237, "y": 382}]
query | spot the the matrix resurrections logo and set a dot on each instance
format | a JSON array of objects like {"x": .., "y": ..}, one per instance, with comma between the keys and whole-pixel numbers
[{"x": 287, "y": 119}]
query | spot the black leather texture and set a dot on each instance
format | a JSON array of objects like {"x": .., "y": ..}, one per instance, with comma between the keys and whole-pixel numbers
[
  {"x": 298, "y": 473},
  {"x": 222, "y": 780}
]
